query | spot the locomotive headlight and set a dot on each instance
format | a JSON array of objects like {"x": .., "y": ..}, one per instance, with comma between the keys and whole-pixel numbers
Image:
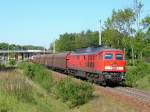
[
  {"x": 119, "y": 68},
  {"x": 108, "y": 67}
]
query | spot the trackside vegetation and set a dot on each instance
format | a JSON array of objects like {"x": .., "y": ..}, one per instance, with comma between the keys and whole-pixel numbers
[
  {"x": 69, "y": 91},
  {"x": 31, "y": 87},
  {"x": 38, "y": 74},
  {"x": 74, "y": 93},
  {"x": 2, "y": 66},
  {"x": 18, "y": 94},
  {"x": 66, "y": 89},
  {"x": 22, "y": 91},
  {"x": 139, "y": 76}
]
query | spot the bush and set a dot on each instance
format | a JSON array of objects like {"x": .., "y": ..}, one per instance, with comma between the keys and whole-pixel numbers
[
  {"x": 29, "y": 70},
  {"x": 2, "y": 66},
  {"x": 39, "y": 74},
  {"x": 43, "y": 77},
  {"x": 12, "y": 62},
  {"x": 136, "y": 73},
  {"x": 74, "y": 93},
  {"x": 22, "y": 65}
]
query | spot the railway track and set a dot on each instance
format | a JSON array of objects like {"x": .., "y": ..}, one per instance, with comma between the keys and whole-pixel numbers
[
  {"x": 131, "y": 92},
  {"x": 134, "y": 93},
  {"x": 134, "y": 97},
  {"x": 140, "y": 95}
]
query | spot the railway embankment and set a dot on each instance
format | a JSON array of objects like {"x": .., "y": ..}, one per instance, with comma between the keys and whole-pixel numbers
[
  {"x": 22, "y": 92},
  {"x": 132, "y": 97}
]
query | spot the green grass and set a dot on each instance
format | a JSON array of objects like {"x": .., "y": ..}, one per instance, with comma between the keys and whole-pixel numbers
[
  {"x": 101, "y": 103},
  {"x": 144, "y": 83},
  {"x": 67, "y": 90},
  {"x": 22, "y": 93},
  {"x": 38, "y": 74}
]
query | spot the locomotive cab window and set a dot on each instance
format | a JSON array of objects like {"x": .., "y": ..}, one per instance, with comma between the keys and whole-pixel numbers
[
  {"x": 119, "y": 57},
  {"x": 108, "y": 56}
]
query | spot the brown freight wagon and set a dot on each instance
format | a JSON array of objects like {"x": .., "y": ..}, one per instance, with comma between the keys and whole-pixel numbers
[
  {"x": 60, "y": 60},
  {"x": 37, "y": 59},
  {"x": 49, "y": 60},
  {"x": 42, "y": 58}
]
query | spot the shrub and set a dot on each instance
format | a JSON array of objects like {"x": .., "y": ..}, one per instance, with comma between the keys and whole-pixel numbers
[
  {"x": 74, "y": 93},
  {"x": 43, "y": 77},
  {"x": 39, "y": 74},
  {"x": 12, "y": 62},
  {"x": 29, "y": 70},
  {"x": 22, "y": 65},
  {"x": 136, "y": 73},
  {"x": 2, "y": 66}
]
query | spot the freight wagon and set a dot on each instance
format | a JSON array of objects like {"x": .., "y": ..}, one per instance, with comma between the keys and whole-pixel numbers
[{"x": 97, "y": 64}]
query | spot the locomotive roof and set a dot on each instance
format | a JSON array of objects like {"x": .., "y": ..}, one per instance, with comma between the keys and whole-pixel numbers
[{"x": 92, "y": 50}]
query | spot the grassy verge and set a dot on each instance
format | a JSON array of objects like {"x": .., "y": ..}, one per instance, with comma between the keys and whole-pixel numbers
[
  {"x": 31, "y": 90},
  {"x": 67, "y": 90},
  {"x": 19, "y": 93}
]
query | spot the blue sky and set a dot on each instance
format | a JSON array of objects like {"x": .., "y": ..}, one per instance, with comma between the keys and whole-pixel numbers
[{"x": 40, "y": 22}]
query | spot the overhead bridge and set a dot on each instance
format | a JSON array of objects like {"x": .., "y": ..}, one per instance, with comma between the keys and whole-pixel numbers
[
  {"x": 23, "y": 51},
  {"x": 6, "y": 55}
]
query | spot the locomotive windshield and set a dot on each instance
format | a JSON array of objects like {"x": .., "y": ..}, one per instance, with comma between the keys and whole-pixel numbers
[
  {"x": 108, "y": 56},
  {"x": 119, "y": 57}
]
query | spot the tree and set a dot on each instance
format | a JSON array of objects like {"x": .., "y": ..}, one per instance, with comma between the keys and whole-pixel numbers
[
  {"x": 146, "y": 26},
  {"x": 4, "y": 46},
  {"x": 119, "y": 31},
  {"x": 122, "y": 21}
]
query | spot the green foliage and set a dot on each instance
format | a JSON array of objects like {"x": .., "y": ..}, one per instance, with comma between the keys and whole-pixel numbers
[
  {"x": 6, "y": 46},
  {"x": 146, "y": 23},
  {"x": 74, "y": 93},
  {"x": 20, "y": 94},
  {"x": 19, "y": 87},
  {"x": 122, "y": 21},
  {"x": 146, "y": 50},
  {"x": 22, "y": 65},
  {"x": 136, "y": 73},
  {"x": 119, "y": 31},
  {"x": 68, "y": 90},
  {"x": 29, "y": 70},
  {"x": 144, "y": 83},
  {"x": 3, "y": 46},
  {"x": 72, "y": 41},
  {"x": 38, "y": 73},
  {"x": 43, "y": 77},
  {"x": 2, "y": 66},
  {"x": 7, "y": 103},
  {"x": 12, "y": 62}
]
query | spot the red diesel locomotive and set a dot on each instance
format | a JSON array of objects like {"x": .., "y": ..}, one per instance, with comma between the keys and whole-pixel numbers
[{"x": 97, "y": 64}]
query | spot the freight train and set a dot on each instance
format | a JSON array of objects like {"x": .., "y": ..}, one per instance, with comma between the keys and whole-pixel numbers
[{"x": 101, "y": 65}]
